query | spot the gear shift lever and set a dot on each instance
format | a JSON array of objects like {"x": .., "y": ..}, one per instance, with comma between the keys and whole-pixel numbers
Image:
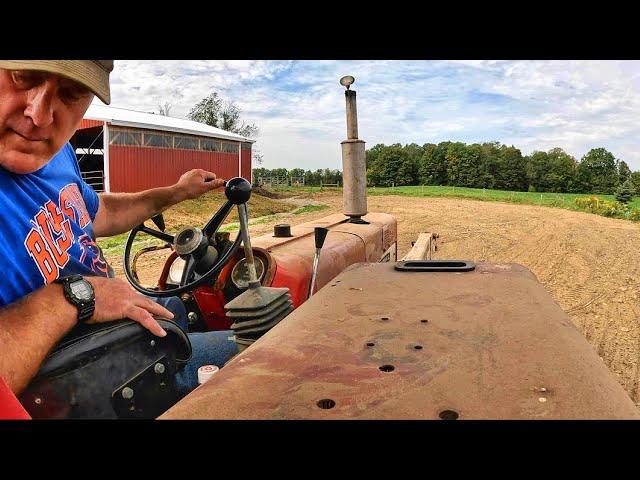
[
  {"x": 246, "y": 243},
  {"x": 255, "y": 311}
]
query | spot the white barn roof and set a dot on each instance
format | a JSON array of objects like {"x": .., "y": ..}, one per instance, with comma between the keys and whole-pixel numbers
[{"x": 131, "y": 118}]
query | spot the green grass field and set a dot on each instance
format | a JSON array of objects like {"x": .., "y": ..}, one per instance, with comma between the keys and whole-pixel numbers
[
  {"x": 558, "y": 200},
  {"x": 562, "y": 200}
]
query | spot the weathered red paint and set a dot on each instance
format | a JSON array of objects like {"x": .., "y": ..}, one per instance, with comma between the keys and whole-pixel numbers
[
  {"x": 164, "y": 276},
  {"x": 245, "y": 161},
  {"x": 211, "y": 304},
  {"x": 10, "y": 407},
  {"x": 133, "y": 169},
  {"x": 86, "y": 123},
  {"x": 377, "y": 343},
  {"x": 293, "y": 272}
]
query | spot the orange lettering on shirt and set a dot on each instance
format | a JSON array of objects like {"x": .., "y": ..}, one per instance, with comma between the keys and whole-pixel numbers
[
  {"x": 60, "y": 226},
  {"x": 37, "y": 248},
  {"x": 71, "y": 202},
  {"x": 61, "y": 256}
]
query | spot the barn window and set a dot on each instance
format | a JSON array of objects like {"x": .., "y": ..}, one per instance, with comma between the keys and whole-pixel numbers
[
  {"x": 125, "y": 137},
  {"x": 210, "y": 145},
  {"x": 158, "y": 140},
  {"x": 230, "y": 147},
  {"x": 187, "y": 143}
]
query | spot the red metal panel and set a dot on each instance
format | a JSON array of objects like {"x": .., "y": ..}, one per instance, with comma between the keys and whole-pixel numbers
[
  {"x": 246, "y": 164},
  {"x": 132, "y": 169},
  {"x": 10, "y": 408},
  {"x": 85, "y": 123}
]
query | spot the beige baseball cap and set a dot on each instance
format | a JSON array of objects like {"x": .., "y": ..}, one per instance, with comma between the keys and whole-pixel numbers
[{"x": 93, "y": 74}]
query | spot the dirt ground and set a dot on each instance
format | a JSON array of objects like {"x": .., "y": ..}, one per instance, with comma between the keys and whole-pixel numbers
[{"x": 588, "y": 263}]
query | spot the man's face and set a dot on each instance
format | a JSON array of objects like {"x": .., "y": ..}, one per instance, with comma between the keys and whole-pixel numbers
[{"x": 39, "y": 113}]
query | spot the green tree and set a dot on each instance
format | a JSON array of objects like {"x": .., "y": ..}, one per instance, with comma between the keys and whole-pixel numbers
[
  {"x": 562, "y": 170},
  {"x": 597, "y": 172},
  {"x": 624, "y": 172},
  {"x": 491, "y": 162},
  {"x": 260, "y": 174},
  {"x": 372, "y": 156},
  {"x": 390, "y": 165},
  {"x": 635, "y": 181},
  {"x": 311, "y": 178},
  {"x": 219, "y": 113},
  {"x": 464, "y": 164},
  {"x": 432, "y": 166},
  {"x": 537, "y": 168},
  {"x": 216, "y": 112},
  {"x": 511, "y": 173},
  {"x": 408, "y": 172},
  {"x": 624, "y": 192},
  {"x": 296, "y": 172}
]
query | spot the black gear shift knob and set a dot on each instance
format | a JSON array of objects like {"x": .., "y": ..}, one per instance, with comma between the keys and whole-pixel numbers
[
  {"x": 238, "y": 190},
  {"x": 321, "y": 235}
]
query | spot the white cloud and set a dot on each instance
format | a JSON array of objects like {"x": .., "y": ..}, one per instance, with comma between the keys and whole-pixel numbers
[{"x": 299, "y": 105}]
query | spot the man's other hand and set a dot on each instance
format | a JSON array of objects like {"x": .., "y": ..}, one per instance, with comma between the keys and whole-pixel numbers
[
  {"x": 116, "y": 300},
  {"x": 197, "y": 182}
]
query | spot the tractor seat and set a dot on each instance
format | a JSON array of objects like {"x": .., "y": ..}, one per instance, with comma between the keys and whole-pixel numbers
[{"x": 109, "y": 370}]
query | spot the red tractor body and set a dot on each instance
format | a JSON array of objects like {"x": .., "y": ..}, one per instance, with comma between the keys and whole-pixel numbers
[{"x": 288, "y": 260}]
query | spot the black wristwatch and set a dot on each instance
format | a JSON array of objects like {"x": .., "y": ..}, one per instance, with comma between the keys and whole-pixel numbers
[{"x": 79, "y": 293}]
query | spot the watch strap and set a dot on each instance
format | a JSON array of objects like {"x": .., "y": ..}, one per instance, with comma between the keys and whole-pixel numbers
[{"x": 85, "y": 308}]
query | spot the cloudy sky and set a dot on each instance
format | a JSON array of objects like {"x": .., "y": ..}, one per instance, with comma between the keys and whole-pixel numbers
[{"x": 299, "y": 105}]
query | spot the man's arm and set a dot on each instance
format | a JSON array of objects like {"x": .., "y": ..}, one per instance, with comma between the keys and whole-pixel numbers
[
  {"x": 121, "y": 212},
  {"x": 30, "y": 327}
]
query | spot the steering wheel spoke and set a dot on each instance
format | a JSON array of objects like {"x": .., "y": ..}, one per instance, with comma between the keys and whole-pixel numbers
[
  {"x": 155, "y": 233},
  {"x": 187, "y": 271},
  {"x": 214, "y": 224}
]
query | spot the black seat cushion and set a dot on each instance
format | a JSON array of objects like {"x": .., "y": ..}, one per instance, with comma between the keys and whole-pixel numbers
[{"x": 85, "y": 373}]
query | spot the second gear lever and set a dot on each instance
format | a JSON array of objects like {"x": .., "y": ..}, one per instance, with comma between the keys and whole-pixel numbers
[{"x": 320, "y": 234}]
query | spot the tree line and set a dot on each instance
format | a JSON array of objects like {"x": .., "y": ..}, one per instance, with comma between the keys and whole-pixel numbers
[
  {"x": 496, "y": 166},
  {"x": 297, "y": 175}
]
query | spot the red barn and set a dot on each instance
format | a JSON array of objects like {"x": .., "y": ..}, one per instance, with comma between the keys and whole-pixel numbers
[{"x": 122, "y": 150}]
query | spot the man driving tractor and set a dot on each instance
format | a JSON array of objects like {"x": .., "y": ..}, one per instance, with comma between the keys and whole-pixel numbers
[{"x": 49, "y": 215}]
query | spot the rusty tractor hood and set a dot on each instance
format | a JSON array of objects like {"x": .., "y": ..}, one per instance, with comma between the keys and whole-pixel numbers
[{"x": 377, "y": 343}]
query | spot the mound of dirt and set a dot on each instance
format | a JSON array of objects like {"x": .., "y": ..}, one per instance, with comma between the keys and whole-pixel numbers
[{"x": 263, "y": 192}]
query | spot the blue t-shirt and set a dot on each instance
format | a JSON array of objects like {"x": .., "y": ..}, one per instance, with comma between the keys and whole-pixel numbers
[{"x": 46, "y": 220}]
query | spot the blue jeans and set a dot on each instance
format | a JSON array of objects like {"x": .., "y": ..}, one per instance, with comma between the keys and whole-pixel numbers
[{"x": 207, "y": 348}]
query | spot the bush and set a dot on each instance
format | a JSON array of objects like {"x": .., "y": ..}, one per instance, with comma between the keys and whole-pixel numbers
[
  {"x": 634, "y": 215},
  {"x": 624, "y": 193},
  {"x": 608, "y": 208}
]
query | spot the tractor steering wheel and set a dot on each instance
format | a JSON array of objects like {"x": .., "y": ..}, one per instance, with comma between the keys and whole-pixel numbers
[{"x": 193, "y": 245}]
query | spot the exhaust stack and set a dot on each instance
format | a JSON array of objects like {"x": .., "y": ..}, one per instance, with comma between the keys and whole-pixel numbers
[{"x": 354, "y": 170}]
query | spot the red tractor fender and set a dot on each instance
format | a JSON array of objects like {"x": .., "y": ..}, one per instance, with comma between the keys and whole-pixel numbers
[{"x": 10, "y": 407}]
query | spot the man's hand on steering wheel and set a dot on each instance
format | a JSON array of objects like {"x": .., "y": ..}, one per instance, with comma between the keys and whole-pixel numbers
[
  {"x": 197, "y": 182},
  {"x": 115, "y": 300},
  {"x": 194, "y": 245}
]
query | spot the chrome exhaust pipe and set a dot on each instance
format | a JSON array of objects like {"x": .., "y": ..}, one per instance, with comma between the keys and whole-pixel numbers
[{"x": 354, "y": 168}]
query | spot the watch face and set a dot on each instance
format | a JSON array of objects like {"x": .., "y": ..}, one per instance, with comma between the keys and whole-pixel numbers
[{"x": 81, "y": 290}]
